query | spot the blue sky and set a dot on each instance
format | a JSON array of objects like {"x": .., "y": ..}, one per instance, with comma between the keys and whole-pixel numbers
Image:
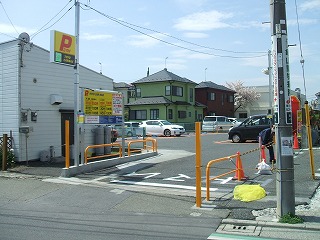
[{"x": 214, "y": 40}]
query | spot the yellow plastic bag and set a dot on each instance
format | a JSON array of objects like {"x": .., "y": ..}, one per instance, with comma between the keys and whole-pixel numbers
[{"x": 248, "y": 193}]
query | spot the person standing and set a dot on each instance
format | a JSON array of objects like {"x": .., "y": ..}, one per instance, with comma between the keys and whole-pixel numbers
[{"x": 266, "y": 139}]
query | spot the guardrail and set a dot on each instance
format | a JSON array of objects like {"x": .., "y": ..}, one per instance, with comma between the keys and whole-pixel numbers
[
  {"x": 119, "y": 153},
  {"x": 154, "y": 146},
  {"x": 239, "y": 171}
]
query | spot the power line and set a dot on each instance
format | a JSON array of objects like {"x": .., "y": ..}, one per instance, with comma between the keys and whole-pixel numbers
[
  {"x": 43, "y": 29},
  {"x": 8, "y": 17},
  {"x": 131, "y": 26},
  {"x": 301, "y": 56}
]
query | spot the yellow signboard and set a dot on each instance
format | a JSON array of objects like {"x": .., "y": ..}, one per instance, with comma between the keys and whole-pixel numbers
[
  {"x": 62, "y": 48},
  {"x": 102, "y": 107}
]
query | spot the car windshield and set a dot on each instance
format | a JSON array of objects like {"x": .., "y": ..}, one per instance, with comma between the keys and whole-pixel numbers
[{"x": 166, "y": 123}]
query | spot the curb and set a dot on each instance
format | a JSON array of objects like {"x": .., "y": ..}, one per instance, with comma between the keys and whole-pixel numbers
[{"x": 303, "y": 226}]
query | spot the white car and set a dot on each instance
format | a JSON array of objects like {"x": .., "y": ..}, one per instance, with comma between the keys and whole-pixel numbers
[{"x": 162, "y": 127}]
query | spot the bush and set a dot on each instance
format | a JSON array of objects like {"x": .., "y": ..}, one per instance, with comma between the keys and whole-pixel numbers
[{"x": 10, "y": 158}]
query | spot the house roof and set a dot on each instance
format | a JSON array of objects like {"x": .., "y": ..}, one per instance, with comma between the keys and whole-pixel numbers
[
  {"x": 209, "y": 84},
  {"x": 160, "y": 100},
  {"x": 162, "y": 76},
  {"x": 149, "y": 101},
  {"x": 121, "y": 85}
]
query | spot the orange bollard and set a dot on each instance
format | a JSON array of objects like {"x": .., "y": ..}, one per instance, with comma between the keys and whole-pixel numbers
[
  {"x": 239, "y": 170},
  {"x": 295, "y": 142}
]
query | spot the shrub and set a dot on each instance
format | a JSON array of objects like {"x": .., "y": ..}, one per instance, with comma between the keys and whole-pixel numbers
[{"x": 10, "y": 158}]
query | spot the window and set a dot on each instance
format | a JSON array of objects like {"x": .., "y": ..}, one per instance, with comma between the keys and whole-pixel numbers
[
  {"x": 190, "y": 114},
  {"x": 182, "y": 114},
  {"x": 168, "y": 90},
  {"x": 138, "y": 92},
  {"x": 138, "y": 114},
  {"x": 191, "y": 94},
  {"x": 170, "y": 114},
  {"x": 211, "y": 96},
  {"x": 230, "y": 98},
  {"x": 154, "y": 113},
  {"x": 177, "y": 91},
  {"x": 131, "y": 93},
  {"x": 243, "y": 115}
]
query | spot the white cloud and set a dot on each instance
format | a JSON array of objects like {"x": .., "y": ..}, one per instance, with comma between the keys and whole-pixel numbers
[
  {"x": 8, "y": 29},
  {"x": 310, "y": 5},
  {"x": 302, "y": 21},
  {"x": 185, "y": 54},
  {"x": 88, "y": 36},
  {"x": 144, "y": 40},
  {"x": 94, "y": 22},
  {"x": 203, "y": 21},
  {"x": 195, "y": 35}
]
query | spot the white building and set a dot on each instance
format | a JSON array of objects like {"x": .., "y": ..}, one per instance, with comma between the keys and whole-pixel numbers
[
  {"x": 40, "y": 95},
  {"x": 262, "y": 105}
]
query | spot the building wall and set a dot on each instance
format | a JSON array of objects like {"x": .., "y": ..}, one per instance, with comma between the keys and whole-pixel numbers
[
  {"x": 220, "y": 106},
  {"x": 9, "y": 85},
  {"x": 262, "y": 105},
  {"x": 40, "y": 79}
]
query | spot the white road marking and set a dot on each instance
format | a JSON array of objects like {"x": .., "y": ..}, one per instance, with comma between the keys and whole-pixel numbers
[
  {"x": 148, "y": 175},
  {"x": 161, "y": 185},
  {"x": 177, "y": 178}
]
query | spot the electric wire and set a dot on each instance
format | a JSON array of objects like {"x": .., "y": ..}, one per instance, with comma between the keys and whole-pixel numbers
[
  {"x": 301, "y": 55},
  {"x": 43, "y": 27},
  {"x": 131, "y": 26},
  {"x": 8, "y": 17}
]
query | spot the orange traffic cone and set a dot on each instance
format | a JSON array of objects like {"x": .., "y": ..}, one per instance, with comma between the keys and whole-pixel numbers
[
  {"x": 295, "y": 141},
  {"x": 239, "y": 170}
]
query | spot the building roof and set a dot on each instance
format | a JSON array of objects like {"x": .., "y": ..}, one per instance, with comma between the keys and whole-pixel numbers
[
  {"x": 160, "y": 100},
  {"x": 162, "y": 76},
  {"x": 149, "y": 101},
  {"x": 121, "y": 85},
  {"x": 209, "y": 84}
]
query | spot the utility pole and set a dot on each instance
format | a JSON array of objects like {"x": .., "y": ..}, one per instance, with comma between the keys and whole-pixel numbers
[
  {"x": 76, "y": 86},
  {"x": 282, "y": 109}
]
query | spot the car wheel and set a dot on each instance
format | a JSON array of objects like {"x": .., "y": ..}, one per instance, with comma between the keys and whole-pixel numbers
[
  {"x": 129, "y": 134},
  {"x": 167, "y": 133},
  {"x": 236, "y": 138}
]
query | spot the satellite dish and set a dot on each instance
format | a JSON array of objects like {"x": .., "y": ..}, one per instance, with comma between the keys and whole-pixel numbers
[{"x": 24, "y": 37}]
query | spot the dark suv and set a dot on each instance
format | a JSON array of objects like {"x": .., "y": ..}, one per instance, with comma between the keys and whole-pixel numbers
[{"x": 250, "y": 128}]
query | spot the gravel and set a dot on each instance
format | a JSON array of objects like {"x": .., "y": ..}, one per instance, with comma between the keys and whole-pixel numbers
[{"x": 311, "y": 209}]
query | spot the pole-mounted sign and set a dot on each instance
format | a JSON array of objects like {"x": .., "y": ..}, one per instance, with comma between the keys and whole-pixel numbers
[
  {"x": 282, "y": 109},
  {"x": 62, "y": 48}
]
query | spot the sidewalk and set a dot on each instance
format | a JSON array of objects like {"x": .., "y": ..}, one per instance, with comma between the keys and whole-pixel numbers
[{"x": 266, "y": 223}]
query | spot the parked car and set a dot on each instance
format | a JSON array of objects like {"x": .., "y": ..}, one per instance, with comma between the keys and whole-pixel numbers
[
  {"x": 131, "y": 129},
  {"x": 162, "y": 127},
  {"x": 234, "y": 121},
  {"x": 214, "y": 123},
  {"x": 250, "y": 128}
]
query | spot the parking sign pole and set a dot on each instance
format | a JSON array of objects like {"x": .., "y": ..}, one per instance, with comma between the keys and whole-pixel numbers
[{"x": 282, "y": 109}]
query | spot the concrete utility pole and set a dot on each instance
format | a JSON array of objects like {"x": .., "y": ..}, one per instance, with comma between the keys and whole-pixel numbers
[
  {"x": 76, "y": 87},
  {"x": 282, "y": 109}
]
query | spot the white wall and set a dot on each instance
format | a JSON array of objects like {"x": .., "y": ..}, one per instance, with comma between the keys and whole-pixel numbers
[
  {"x": 40, "y": 79},
  {"x": 9, "y": 117}
]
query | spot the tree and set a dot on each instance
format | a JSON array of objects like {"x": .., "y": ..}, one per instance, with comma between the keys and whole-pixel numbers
[{"x": 244, "y": 95}]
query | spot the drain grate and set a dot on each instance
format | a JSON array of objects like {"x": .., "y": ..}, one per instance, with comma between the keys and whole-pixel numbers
[{"x": 240, "y": 229}]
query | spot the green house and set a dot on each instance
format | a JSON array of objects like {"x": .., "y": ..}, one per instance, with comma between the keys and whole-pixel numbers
[{"x": 164, "y": 95}]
